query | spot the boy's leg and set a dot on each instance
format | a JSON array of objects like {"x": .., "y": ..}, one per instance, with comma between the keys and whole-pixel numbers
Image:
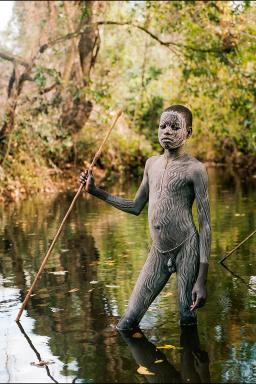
[
  {"x": 153, "y": 277},
  {"x": 187, "y": 265}
]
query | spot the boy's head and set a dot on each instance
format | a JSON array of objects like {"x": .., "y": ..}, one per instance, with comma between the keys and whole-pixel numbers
[{"x": 175, "y": 126}]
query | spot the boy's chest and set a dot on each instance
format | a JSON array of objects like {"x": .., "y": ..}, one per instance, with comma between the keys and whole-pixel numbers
[{"x": 173, "y": 178}]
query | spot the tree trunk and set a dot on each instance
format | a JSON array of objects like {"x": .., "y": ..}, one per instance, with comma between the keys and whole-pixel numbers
[{"x": 77, "y": 110}]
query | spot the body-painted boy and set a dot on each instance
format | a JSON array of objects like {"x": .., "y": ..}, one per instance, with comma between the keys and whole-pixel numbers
[{"x": 170, "y": 184}]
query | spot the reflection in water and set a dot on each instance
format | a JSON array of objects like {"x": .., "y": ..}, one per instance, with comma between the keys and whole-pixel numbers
[
  {"x": 249, "y": 285},
  {"x": 88, "y": 280},
  {"x": 36, "y": 351},
  {"x": 194, "y": 367}
]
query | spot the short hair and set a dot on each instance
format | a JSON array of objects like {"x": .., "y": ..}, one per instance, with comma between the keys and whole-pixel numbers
[{"x": 185, "y": 112}]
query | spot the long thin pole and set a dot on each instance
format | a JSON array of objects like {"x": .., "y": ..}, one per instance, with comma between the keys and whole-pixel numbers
[
  {"x": 238, "y": 246},
  {"x": 98, "y": 153}
]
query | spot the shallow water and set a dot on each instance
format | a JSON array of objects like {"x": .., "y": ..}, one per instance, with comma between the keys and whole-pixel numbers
[{"x": 70, "y": 321}]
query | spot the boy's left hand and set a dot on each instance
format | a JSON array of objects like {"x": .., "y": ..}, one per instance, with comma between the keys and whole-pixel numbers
[{"x": 198, "y": 296}]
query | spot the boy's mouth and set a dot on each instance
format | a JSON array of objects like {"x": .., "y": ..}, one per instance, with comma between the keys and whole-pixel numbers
[{"x": 168, "y": 139}]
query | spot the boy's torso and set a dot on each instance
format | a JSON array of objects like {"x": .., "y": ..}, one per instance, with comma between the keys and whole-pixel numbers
[{"x": 171, "y": 196}]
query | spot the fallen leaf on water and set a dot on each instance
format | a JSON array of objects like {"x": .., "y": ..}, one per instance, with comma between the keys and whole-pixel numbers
[
  {"x": 144, "y": 371},
  {"x": 56, "y": 309},
  {"x": 94, "y": 282},
  {"x": 41, "y": 363},
  {"x": 167, "y": 294},
  {"x": 158, "y": 361},
  {"x": 59, "y": 273},
  {"x": 167, "y": 346},
  {"x": 112, "y": 286},
  {"x": 73, "y": 290},
  {"x": 109, "y": 262},
  {"x": 137, "y": 335}
]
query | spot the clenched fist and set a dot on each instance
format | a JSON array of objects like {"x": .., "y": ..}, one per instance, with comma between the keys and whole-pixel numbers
[{"x": 87, "y": 179}]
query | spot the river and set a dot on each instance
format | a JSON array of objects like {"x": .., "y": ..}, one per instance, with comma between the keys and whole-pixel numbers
[{"x": 70, "y": 320}]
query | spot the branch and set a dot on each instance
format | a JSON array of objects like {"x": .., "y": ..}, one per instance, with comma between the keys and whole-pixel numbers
[
  {"x": 160, "y": 41},
  {"x": 13, "y": 58}
]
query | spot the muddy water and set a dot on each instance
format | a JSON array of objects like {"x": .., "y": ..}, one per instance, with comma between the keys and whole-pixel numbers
[{"x": 70, "y": 321}]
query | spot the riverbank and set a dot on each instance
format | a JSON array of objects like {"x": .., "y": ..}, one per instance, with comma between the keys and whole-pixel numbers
[{"x": 55, "y": 180}]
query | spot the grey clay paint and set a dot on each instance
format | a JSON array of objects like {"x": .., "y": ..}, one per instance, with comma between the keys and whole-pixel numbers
[{"x": 170, "y": 184}]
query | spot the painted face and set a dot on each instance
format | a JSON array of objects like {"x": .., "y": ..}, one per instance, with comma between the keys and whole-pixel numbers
[{"x": 172, "y": 131}]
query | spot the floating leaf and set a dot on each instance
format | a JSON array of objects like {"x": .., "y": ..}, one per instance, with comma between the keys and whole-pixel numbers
[
  {"x": 59, "y": 273},
  {"x": 137, "y": 335},
  {"x": 94, "y": 282},
  {"x": 112, "y": 286},
  {"x": 144, "y": 371},
  {"x": 56, "y": 309},
  {"x": 41, "y": 363},
  {"x": 158, "y": 361},
  {"x": 167, "y": 294},
  {"x": 109, "y": 262},
  {"x": 167, "y": 346},
  {"x": 73, "y": 290}
]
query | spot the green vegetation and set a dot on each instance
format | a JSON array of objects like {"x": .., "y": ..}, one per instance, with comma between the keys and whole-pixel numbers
[{"x": 67, "y": 67}]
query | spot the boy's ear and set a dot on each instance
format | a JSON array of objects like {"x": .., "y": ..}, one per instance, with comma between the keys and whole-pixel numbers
[{"x": 189, "y": 132}]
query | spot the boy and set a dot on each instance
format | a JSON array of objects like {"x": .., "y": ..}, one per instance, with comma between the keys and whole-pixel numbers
[{"x": 170, "y": 184}]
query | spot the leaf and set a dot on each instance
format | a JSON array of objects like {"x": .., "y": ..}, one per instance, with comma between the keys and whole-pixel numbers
[
  {"x": 73, "y": 290},
  {"x": 94, "y": 282},
  {"x": 112, "y": 286},
  {"x": 167, "y": 346},
  {"x": 41, "y": 363},
  {"x": 144, "y": 371},
  {"x": 158, "y": 361},
  {"x": 167, "y": 294},
  {"x": 59, "y": 273},
  {"x": 54, "y": 310},
  {"x": 109, "y": 262},
  {"x": 137, "y": 335}
]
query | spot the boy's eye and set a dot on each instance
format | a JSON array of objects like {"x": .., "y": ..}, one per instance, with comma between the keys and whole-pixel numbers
[{"x": 175, "y": 127}]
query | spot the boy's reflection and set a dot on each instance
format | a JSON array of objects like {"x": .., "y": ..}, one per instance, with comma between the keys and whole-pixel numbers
[{"x": 194, "y": 361}]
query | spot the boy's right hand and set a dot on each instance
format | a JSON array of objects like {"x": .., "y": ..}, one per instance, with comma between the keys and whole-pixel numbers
[{"x": 87, "y": 179}]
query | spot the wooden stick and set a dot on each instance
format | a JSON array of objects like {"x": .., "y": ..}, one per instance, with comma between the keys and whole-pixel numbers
[
  {"x": 238, "y": 246},
  {"x": 98, "y": 153}
]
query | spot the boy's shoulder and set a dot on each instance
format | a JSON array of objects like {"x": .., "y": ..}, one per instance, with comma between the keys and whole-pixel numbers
[
  {"x": 195, "y": 166},
  {"x": 152, "y": 159}
]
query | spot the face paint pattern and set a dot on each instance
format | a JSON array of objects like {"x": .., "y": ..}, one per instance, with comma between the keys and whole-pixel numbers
[{"x": 177, "y": 133}]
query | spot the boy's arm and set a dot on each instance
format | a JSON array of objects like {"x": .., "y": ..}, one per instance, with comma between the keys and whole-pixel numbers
[
  {"x": 134, "y": 206},
  {"x": 200, "y": 180}
]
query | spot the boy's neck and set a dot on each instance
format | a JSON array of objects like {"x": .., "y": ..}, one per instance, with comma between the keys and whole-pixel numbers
[{"x": 171, "y": 154}]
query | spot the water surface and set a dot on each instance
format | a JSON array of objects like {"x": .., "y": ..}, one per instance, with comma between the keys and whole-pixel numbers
[{"x": 70, "y": 321}]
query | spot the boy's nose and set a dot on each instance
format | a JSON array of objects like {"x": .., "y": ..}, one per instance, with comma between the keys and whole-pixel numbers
[{"x": 167, "y": 130}]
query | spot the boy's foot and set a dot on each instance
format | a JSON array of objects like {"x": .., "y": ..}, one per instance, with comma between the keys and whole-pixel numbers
[{"x": 125, "y": 324}]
